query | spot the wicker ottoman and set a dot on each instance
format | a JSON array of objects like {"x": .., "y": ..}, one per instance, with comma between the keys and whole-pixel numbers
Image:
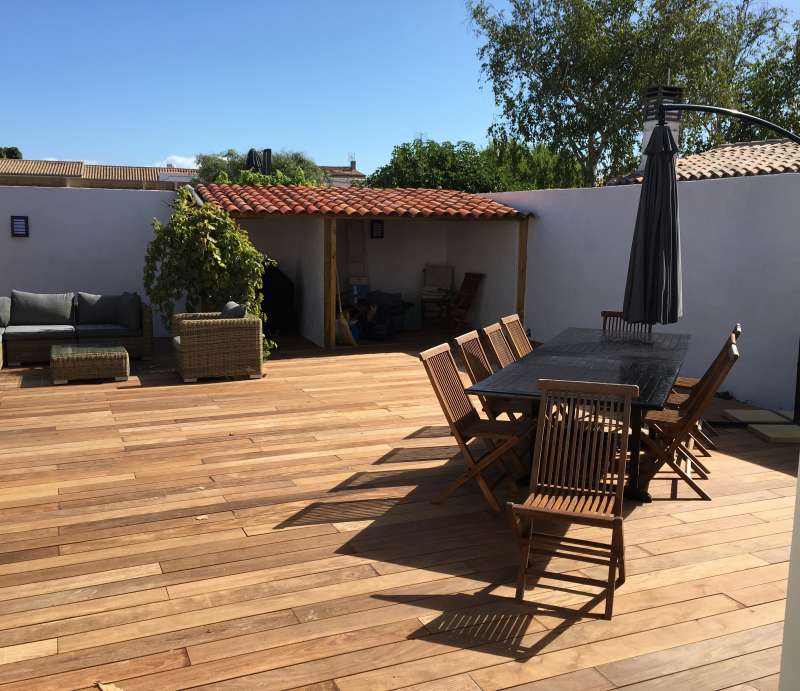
[{"x": 88, "y": 362}]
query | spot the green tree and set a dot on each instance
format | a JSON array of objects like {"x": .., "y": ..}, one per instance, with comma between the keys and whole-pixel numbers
[
  {"x": 427, "y": 163},
  {"x": 229, "y": 166},
  {"x": 570, "y": 74},
  {"x": 10, "y": 152},
  {"x": 203, "y": 256},
  {"x": 502, "y": 165},
  {"x": 519, "y": 166}
]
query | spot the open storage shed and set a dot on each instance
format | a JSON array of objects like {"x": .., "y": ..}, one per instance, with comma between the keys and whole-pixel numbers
[{"x": 362, "y": 240}]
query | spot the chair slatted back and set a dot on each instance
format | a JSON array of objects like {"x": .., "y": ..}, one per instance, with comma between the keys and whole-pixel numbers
[
  {"x": 702, "y": 394},
  {"x": 614, "y": 323},
  {"x": 442, "y": 372},
  {"x": 499, "y": 345},
  {"x": 731, "y": 339},
  {"x": 474, "y": 356},
  {"x": 582, "y": 440},
  {"x": 469, "y": 288},
  {"x": 517, "y": 337}
]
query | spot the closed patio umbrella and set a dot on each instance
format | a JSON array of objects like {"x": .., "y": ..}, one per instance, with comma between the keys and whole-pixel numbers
[{"x": 653, "y": 290}]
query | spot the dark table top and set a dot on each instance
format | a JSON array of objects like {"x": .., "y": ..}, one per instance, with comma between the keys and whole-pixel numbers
[{"x": 651, "y": 362}]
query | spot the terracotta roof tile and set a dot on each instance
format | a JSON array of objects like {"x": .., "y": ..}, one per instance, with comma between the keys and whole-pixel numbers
[
  {"x": 17, "y": 166},
  {"x": 132, "y": 173},
  {"x": 732, "y": 160},
  {"x": 87, "y": 171},
  {"x": 351, "y": 201}
]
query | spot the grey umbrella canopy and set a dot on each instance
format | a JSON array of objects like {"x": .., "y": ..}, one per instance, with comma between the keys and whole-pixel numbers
[{"x": 653, "y": 292}]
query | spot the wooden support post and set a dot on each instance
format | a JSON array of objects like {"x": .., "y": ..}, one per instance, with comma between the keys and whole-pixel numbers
[
  {"x": 522, "y": 267},
  {"x": 330, "y": 282}
]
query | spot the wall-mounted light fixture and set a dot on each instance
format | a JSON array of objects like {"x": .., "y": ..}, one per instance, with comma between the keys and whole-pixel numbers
[
  {"x": 19, "y": 227},
  {"x": 376, "y": 229}
]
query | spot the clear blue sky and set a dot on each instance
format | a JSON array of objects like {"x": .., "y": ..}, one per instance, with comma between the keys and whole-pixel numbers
[{"x": 138, "y": 81}]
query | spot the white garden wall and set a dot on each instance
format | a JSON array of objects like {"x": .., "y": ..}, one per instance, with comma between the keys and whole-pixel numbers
[
  {"x": 92, "y": 240},
  {"x": 741, "y": 245},
  {"x": 297, "y": 244}
]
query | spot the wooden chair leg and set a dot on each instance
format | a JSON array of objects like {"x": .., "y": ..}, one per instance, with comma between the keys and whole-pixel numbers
[
  {"x": 524, "y": 561},
  {"x": 692, "y": 463},
  {"x": 621, "y": 577},
  {"x": 667, "y": 455},
  {"x": 474, "y": 470},
  {"x": 687, "y": 478},
  {"x": 612, "y": 577},
  {"x": 703, "y": 438}
]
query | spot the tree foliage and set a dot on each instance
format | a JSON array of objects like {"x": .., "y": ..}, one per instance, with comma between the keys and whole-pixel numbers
[
  {"x": 10, "y": 152},
  {"x": 291, "y": 167},
  {"x": 427, "y": 163},
  {"x": 503, "y": 165},
  {"x": 203, "y": 256},
  {"x": 571, "y": 73}
]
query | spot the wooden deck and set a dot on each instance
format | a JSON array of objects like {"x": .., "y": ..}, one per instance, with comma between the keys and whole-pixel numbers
[{"x": 279, "y": 534}]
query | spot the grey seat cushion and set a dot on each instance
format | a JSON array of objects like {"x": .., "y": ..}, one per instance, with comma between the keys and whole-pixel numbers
[
  {"x": 125, "y": 310},
  {"x": 38, "y": 331},
  {"x": 233, "y": 310},
  {"x": 104, "y": 331},
  {"x": 5, "y": 310},
  {"x": 40, "y": 308}
]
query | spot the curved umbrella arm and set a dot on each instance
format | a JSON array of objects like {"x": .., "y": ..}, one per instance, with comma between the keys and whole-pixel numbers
[{"x": 698, "y": 108}]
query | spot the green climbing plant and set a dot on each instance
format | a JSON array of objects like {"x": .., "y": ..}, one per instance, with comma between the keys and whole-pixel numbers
[{"x": 202, "y": 255}]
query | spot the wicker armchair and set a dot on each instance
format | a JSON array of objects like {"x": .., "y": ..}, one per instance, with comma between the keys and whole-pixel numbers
[{"x": 208, "y": 346}]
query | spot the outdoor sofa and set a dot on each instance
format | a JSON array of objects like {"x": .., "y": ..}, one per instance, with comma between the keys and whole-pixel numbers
[
  {"x": 32, "y": 322},
  {"x": 217, "y": 344}
]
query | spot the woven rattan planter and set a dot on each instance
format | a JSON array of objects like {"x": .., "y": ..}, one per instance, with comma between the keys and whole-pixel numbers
[{"x": 88, "y": 362}]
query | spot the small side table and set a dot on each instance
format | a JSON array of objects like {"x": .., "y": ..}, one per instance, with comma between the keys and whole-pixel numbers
[{"x": 88, "y": 362}]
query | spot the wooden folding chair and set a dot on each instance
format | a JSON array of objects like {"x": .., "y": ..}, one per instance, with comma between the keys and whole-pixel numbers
[
  {"x": 683, "y": 388},
  {"x": 515, "y": 333},
  {"x": 578, "y": 475},
  {"x": 458, "y": 310},
  {"x": 671, "y": 429},
  {"x": 499, "y": 345},
  {"x": 614, "y": 323},
  {"x": 478, "y": 369},
  {"x": 466, "y": 425}
]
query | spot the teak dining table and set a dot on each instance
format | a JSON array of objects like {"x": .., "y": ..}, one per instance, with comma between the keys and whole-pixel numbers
[{"x": 651, "y": 361}]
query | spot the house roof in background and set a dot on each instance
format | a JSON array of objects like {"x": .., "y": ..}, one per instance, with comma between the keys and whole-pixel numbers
[
  {"x": 16, "y": 166},
  {"x": 73, "y": 172},
  {"x": 355, "y": 202},
  {"x": 343, "y": 171},
  {"x": 768, "y": 157}
]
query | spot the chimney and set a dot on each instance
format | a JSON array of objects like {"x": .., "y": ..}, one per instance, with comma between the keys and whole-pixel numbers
[
  {"x": 653, "y": 98},
  {"x": 352, "y": 165}
]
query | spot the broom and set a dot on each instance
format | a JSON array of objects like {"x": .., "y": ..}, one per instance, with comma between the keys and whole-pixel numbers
[{"x": 343, "y": 334}]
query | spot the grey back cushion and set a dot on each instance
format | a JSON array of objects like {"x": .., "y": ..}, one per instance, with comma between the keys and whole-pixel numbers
[
  {"x": 130, "y": 311},
  {"x": 233, "y": 310},
  {"x": 40, "y": 308},
  {"x": 125, "y": 309},
  {"x": 97, "y": 309},
  {"x": 5, "y": 310}
]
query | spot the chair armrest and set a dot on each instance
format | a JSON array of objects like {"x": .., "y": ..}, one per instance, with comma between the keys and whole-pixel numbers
[
  {"x": 179, "y": 319},
  {"x": 200, "y": 328}
]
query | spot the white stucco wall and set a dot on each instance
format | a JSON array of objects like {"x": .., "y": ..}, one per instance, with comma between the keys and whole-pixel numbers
[
  {"x": 92, "y": 240},
  {"x": 740, "y": 241},
  {"x": 490, "y": 248},
  {"x": 296, "y": 243}
]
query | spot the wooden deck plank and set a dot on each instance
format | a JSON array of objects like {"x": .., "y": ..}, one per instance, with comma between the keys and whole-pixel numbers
[{"x": 279, "y": 534}]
